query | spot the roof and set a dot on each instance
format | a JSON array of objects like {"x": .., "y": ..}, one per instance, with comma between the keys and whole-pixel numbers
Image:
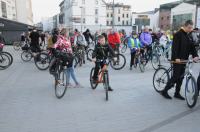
[{"x": 170, "y": 5}]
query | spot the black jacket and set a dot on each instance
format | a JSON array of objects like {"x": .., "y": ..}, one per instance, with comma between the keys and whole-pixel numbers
[
  {"x": 182, "y": 46},
  {"x": 88, "y": 36},
  {"x": 102, "y": 52},
  {"x": 34, "y": 38}
]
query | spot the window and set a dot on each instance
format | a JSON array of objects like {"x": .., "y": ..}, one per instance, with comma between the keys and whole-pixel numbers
[
  {"x": 83, "y": 1},
  {"x": 127, "y": 23},
  {"x": 96, "y": 11},
  {"x": 107, "y": 15},
  {"x": 84, "y": 20},
  {"x": 111, "y": 23},
  {"x": 122, "y": 22},
  {"x": 111, "y": 15},
  {"x": 97, "y": 2},
  {"x": 4, "y": 10},
  {"x": 127, "y": 15},
  {"x": 162, "y": 18},
  {"x": 167, "y": 17},
  {"x": 96, "y": 20},
  {"x": 119, "y": 11},
  {"x": 118, "y": 19},
  {"x": 107, "y": 22},
  {"x": 123, "y": 15}
]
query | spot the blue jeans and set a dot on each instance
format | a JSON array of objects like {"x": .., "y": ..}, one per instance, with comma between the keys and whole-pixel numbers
[{"x": 70, "y": 73}]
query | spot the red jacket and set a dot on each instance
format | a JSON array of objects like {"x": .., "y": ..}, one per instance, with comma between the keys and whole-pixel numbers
[{"x": 114, "y": 39}]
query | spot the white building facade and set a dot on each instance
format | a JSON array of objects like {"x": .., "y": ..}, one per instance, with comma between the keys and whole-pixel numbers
[
  {"x": 83, "y": 14},
  {"x": 122, "y": 15},
  {"x": 24, "y": 11},
  {"x": 8, "y": 9}
]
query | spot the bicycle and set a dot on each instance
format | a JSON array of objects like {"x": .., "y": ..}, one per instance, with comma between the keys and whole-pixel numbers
[
  {"x": 6, "y": 58},
  {"x": 124, "y": 45},
  {"x": 103, "y": 77},
  {"x": 162, "y": 76},
  {"x": 119, "y": 64},
  {"x": 60, "y": 76},
  {"x": 159, "y": 51},
  {"x": 139, "y": 59}
]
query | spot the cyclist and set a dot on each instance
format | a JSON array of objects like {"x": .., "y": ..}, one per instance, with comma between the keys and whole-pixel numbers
[
  {"x": 35, "y": 46},
  {"x": 88, "y": 36},
  {"x": 134, "y": 44},
  {"x": 64, "y": 46},
  {"x": 101, "y": 52},
  {"x": 80, "y": 43},
  {"x": 146, "y": 40},
  {"x": 114, "y": 40}
]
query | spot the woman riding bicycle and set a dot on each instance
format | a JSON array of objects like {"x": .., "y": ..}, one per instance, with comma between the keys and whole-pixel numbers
[{"x": 101, "y": 52}]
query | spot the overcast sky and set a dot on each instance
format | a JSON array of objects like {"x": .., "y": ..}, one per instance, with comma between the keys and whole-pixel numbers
[{"x": 48, "y": 8}]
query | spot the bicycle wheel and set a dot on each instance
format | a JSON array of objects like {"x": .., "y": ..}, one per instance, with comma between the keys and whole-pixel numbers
[
  {"x": 4, "y": 61},
  {"x": 10, "y": 57},
  {"x": 124, "y": 48},
  {"x": 191, "y": 91},
  {"x": 106, "y": 84},
  {"x": 155, "y": 61},
  {"x": 16, "y": 46},
  {"x": 92, "y": 83},
  {"x": 42, "y": 61},
  {"x": 142, "y": 63},
  {"x": 60, "y": 84},
  {"x": 119, "y": 64},
  {"x": 26, "y": 56},
  {"x": 89, "y": 54},
  {"x": 160, "y": 79}
]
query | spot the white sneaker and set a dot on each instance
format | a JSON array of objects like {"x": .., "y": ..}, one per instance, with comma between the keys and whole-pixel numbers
[{"x": 78, "y": 86}]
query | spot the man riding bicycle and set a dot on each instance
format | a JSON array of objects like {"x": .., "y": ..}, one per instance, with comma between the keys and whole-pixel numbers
[
  {"x": 88, "y": 36},
  {"x": 114, "y": 40},
  {"x": 101, "y": 52}
]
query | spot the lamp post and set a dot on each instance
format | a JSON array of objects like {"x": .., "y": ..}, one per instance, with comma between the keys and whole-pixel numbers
[{"x": 113, "y": 18}]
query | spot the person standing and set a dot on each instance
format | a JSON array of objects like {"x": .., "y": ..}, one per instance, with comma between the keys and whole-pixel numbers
[
  {"x": 88, "y": 36},
  {"x": 43, "y": 36},
  {"x": 146, "y": 39},
  {"x": 35, "y": 36},
  {"x": 182, "y": 47}
]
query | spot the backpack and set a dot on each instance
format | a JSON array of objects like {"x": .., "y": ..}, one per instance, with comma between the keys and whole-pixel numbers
[{"x": 50, "y": 43}]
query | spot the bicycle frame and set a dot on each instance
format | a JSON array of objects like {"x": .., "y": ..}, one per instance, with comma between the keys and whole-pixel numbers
[{"x": 101, "y": 73}]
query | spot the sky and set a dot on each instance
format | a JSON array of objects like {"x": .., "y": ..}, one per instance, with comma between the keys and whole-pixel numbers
[{"x": 48, "y": 8}]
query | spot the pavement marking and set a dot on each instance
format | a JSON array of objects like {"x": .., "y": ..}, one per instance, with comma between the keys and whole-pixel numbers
[{"x": 170, "y": 120}]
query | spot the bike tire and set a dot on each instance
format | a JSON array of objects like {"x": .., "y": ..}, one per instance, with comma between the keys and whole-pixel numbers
[
  {"x": 141, "y": 64},
  {"x": 16, "y": 46},
  {"x": 89, "y": 54},
  {"x": 10, "y": 56},
  {"x": 26, "y": 56},
  {"x": 164, "y": 75},
  {"x": 106, "y": 84},
  {"x": 114, "y": 64},
  {"x": 44, "y": 60},
  {"x": 155, "y": 61},
  {"x": 124, "y": 48},
  {"x": 60, "y": 82},
  {"x": 194, "y": 90},
  {"x": 3, "y": 58},
  {"x": 92, "y": 83}
]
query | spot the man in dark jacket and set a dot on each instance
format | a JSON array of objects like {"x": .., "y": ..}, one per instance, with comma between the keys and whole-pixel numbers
[
  {"x": 88, "y": 36},
  {"x": 181, "y": 49},
  {"x": 35, "y": 36}
]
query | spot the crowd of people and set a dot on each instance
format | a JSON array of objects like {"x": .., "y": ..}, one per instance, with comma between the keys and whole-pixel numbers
[{"x": 184, "y": 42}]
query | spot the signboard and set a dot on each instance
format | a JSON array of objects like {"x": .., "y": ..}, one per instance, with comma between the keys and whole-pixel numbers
[{"x": 198, "y": 18}]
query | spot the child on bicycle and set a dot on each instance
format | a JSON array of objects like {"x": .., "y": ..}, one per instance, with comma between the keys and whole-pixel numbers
[
  {"x": 134, "y": 44},
  {"x": 101, "y": 53}
]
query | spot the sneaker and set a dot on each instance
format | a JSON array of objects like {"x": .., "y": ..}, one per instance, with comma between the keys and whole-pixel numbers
[
  {"x": 178, "y": 96},
  {"x": 78, "y": 86},
  {"x": 110, "y": 89},
  {"x": 166, "y": 95},
  {"x": 69, "y": 85}
]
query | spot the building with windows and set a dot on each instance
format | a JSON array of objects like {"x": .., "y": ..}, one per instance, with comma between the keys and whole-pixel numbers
[
  {"x": 182, "y": 13},
  {"x": 8, "y": 9},
  {"x": 142, "y": 19},
  {"x": 122, "y": 15},
  {"x": 83, "y": 14}
]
